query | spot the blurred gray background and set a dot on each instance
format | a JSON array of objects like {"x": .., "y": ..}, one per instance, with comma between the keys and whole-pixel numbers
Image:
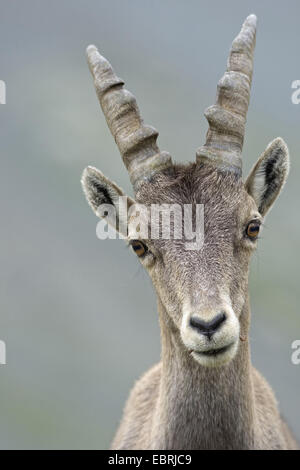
[{"x": 78, "y": 315}]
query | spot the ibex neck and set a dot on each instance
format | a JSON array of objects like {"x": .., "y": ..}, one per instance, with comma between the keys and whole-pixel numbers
[{"x": 199, "y": 407}]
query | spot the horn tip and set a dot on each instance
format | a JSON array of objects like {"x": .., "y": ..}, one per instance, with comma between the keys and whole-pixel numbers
[
  {"x": 251, "y": 20},
  {"x": 93, "y": 56},
  {"x": 90, "y": 49}
]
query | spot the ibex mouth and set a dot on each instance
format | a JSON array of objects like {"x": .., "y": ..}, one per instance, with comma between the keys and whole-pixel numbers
[{"x": 214, "y": 352}]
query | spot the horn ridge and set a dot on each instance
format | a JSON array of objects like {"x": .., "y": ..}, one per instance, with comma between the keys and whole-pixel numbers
[
  {"x": 227, "y": 118},
  {"x": 136, "y": 141}
]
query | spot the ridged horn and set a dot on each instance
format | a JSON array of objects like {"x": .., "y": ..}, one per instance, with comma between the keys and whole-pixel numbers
[
  {"x": 136, "y": 141},
  {"x": 227, "y": 118}
]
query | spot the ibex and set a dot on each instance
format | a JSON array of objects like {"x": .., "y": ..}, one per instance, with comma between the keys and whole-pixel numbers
[{"x": 205, "y": 393}]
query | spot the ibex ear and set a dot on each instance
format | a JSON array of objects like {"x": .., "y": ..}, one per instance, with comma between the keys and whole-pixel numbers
[
  {"x": 269, "y": 175},
  {"x": 102, "y": 193}
]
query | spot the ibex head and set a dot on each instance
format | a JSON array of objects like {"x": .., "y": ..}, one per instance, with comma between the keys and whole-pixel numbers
[{"x": 202, "y": 293}]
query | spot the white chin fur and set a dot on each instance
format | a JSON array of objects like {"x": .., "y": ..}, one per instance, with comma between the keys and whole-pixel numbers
[{"x": 217, "y": 359}]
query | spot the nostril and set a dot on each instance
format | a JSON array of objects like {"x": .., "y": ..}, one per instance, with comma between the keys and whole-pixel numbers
[
  {"x": 210, "y": 327},
  {"x": 218, "y": 320},
  {"x": 200, "y": 325}
]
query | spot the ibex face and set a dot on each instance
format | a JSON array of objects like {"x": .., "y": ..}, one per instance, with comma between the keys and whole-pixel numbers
[{"x": 202, "y": 291}]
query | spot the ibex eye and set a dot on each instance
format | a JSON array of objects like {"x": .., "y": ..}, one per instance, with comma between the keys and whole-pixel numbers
[
  {"x": 139, "y": 248},
  {"x": 252, "y": 230}
]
